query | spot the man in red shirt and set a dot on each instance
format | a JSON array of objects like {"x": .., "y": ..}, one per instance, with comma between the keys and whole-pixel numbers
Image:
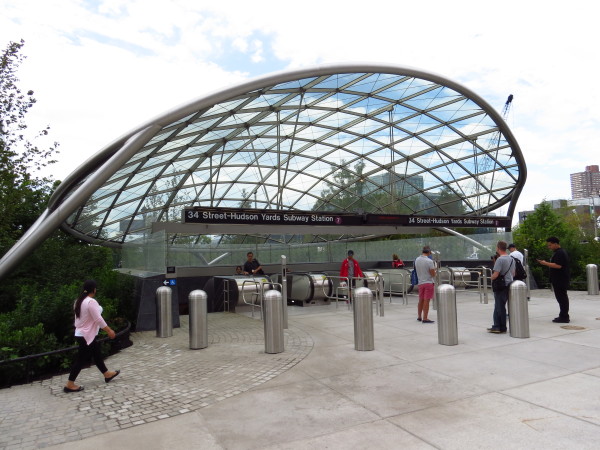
[{"x": 350, "y": 269}]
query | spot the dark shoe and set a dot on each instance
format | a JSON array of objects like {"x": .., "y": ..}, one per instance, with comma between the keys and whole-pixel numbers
[
  {"x": 107, "y": 380},
  {"x": 496, "y": 331},
  {"x": 428, "y": 321},
  {"x": 559, "y": 320},
  {"x": 419, "y": 319},
  {"x": 66, "y": 390}
]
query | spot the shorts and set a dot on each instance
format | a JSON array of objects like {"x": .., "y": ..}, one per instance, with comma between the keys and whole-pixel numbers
[{"x": 426, "y": 291}]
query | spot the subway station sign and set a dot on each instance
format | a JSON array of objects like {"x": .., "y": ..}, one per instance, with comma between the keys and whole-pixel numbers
[{"x": 269, "y": 217}]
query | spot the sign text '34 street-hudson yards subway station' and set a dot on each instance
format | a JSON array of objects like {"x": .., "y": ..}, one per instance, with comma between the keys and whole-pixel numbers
[{"x": 259, "y": 217}]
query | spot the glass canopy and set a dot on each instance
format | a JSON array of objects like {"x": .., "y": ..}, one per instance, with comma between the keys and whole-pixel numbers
[{"x": 390, "y": 141}]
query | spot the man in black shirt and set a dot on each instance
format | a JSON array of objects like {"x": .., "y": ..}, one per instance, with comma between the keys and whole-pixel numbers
[
  {"x": 252, "y": 266},
  {"x": 559, "y": 277}
]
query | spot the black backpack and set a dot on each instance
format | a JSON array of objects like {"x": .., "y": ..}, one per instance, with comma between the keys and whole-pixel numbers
[{"x": 520, "y": 273}]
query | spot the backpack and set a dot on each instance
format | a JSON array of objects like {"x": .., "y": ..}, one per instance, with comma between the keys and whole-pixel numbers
[
  {"x": 520, "y": 273},
  {"x": 414, "y": 280}
]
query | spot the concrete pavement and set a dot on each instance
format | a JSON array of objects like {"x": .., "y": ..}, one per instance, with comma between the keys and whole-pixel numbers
[{"x": 489, "y": 391}]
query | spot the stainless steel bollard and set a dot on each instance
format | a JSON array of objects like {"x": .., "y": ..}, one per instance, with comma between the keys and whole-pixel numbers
[
  {"x": 526, "y": 267},
  {"x": 284, "y": 290},
  {"x": 518, "y": 312},
  {"x": 362, "y": 302},
  {"x": 164, "y": 312},
  {"x": 485, "y": 285},
  {"x": 437, "y": 279},
  {"x": 380, "y": 299},
  {"x": 592, "y": 279},
  {"x": 446, "y": 315},
  {"x": 273, "y": 321},
  {"x": 198, "y": 319}
]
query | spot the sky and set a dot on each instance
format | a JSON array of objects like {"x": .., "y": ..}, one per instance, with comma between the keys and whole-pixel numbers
[{"x": 100, "y": 68}]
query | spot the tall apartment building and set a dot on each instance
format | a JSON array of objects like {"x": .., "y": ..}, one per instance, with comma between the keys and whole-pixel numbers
[{"x": 586, "y": 184}]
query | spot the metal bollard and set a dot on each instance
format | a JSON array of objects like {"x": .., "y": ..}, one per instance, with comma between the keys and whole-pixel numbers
[
  {"x": 273, "y": 321},
  {"x": 518, "y": 312},
  {"x": 380, "y": 299},
  {"x": 446, "y": 316},
  {"x": 485, "y": 285},
  {"x": 526, "y": 267},
  {"x": 437, "y": 279},
  {"x": 362, "y": 302},
  {"x": 164, "y": 312},
  {"x": 198, "y": 319},
  {"x": 592, "y": 279},
  {"x": 284, "y": 290}
]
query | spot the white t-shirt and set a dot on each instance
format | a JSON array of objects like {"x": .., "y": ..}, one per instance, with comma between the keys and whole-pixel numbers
[{"x": 517, "y": 255}]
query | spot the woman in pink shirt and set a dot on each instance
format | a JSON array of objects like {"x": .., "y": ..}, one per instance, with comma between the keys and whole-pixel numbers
[{"x": 88, "y": 321}]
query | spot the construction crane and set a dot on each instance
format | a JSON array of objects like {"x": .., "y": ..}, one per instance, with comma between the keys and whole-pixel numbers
[
  {"x": 505, "y": 112},
  {"x": 507, "y": 106},
  {"x": 494, "y": 145}
]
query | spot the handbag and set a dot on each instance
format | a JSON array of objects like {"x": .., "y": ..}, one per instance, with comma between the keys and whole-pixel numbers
[{"x": 499, "y": 284}]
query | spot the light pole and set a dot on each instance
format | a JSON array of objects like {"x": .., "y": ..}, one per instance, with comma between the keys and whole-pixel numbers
[{"x": 593, "y": 214}]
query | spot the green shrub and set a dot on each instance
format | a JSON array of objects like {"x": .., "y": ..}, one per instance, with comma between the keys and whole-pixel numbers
[{"x": 22, "y": 342}]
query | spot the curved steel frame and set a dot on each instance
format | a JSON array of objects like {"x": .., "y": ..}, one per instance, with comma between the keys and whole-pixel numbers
[{"x": 396, "y": 107}]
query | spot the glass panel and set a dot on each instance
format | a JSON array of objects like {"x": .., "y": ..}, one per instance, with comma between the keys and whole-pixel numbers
[{"x": 335, "y": 154}]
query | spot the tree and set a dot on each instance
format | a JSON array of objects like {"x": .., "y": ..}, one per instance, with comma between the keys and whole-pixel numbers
[
  {"x": 36, "y": 298},
  {"x": 341, "y": 193},
  {"x": 22, "y": 195},
  {"x": 536, "y": 228},
  {"x": 449, "y": 202}
]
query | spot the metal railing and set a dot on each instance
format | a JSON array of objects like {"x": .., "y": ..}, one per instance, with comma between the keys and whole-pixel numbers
[
  {"x": 29, "y": 359},
  {"x": 377, "y": 291},
  {"x": 458, "y": 277},
  {"x": 484, "y": 284},
  {"x": 404, "y": 275},
  {"x": 258, "y": 295},
  {"x": 337, "y": 297},
  {"x": 226, "y": 296}
]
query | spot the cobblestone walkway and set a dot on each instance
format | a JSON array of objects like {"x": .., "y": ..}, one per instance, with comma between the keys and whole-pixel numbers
[{"x": 160, "y": 378}]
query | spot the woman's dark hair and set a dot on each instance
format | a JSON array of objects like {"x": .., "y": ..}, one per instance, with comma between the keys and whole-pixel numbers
[{"x": 88, "y": 287}]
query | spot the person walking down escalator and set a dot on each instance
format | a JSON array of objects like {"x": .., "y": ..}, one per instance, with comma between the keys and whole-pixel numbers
[{"x": 397, "y": 263}]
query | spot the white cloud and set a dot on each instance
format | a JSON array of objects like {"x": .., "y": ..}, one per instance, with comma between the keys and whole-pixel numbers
[
  {"x": 257, "y": 56},
  {"x": 100, "y": 70}
]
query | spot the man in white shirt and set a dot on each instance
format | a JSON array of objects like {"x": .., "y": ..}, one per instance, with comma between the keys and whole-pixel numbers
[{"x": 512, "y": 248}]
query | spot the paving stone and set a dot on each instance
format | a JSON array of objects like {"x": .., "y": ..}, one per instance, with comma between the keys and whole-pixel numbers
[{"x": 160, "y": 378}]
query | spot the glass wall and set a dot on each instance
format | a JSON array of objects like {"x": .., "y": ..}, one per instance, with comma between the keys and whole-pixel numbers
[{"x": 152, "y": 254}]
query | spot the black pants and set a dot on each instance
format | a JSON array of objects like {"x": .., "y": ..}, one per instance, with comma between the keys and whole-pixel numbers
[
  {"x": 87, "y": 352},
  {"x": 562, "y": 298}
]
